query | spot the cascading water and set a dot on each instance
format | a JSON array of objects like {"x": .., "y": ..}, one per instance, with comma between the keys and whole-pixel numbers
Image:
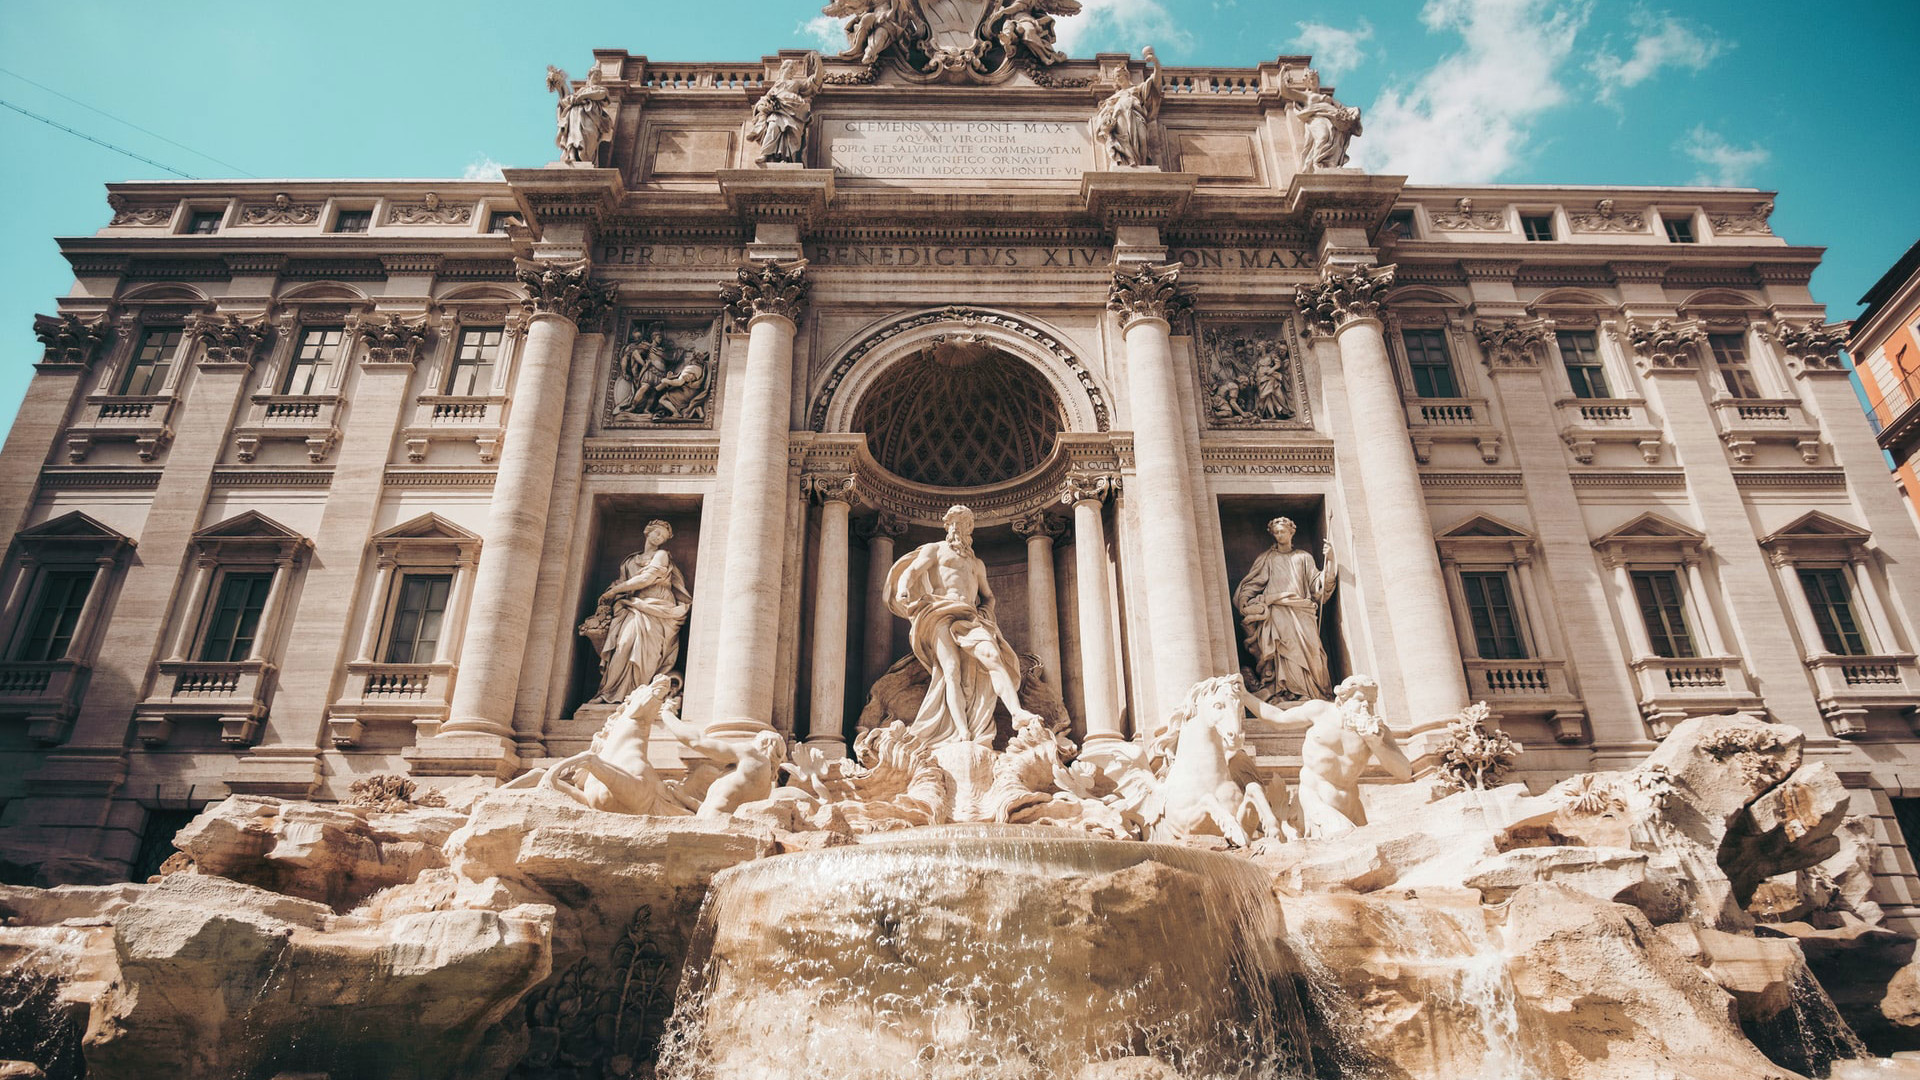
[{"x": 987, "y": 952}]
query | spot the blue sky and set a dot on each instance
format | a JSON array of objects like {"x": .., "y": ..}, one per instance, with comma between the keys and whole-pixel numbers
[{"x": 1817, "y": 101}]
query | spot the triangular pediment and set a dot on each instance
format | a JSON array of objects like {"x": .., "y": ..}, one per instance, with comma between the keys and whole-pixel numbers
[
  {"x": 1652, "y": 526},
  {"x": 1486, "y": 527},
  {"x": 428, "y": 526},
  {"x": 73, "y": 525},
  {"x": 1815, "y": 525},
  {"x": 251, "y": 525}
]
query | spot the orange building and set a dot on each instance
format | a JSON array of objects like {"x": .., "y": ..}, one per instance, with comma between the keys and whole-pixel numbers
[{"x": 1886, "y": 350}]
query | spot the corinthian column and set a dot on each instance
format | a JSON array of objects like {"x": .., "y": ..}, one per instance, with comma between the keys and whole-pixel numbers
[
  {"x": 559, "y": 297},
  {"x": 1146, "y": 298},
  {"x": 827, "y": 717},
  {"x": 1043, "y": 612},
  {"x": 768, "y": 297},
  {"x": 1346, "y": 303},
  {"x": 877, "y": 650},
  {"x": 1085, "y": 494}
]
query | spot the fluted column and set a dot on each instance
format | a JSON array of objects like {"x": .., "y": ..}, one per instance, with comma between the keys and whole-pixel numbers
[
  {"x": 827, "y": 717},
  {"x": 1146, "y": 299},
  {"x": 1346, "y": 303},
  {"x": 768, "y": 297},
  {"x": 1043, "y": 611},
  {"x": 1098, "y": 676},
  {"x": 877, "y": 650},
  {"x": 559, "y": 297}
]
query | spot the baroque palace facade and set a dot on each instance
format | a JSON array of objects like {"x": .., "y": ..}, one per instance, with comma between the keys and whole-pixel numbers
[{"x": 323, "y": 479}]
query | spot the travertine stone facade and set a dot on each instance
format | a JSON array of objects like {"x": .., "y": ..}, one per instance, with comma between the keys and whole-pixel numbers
[{"x": 318, "y": 479}]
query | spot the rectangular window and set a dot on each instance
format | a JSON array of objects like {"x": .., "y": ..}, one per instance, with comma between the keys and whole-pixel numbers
[
  {"x": 1399, "y": 226},
  {"x": 205, "y": 222},
  {"x": 1537, "y": 226},
  {"x": 1431, "y": 366},
  {"x": 416, "y": 621},
  {"x": 1730, "y": 355},
  {"x": 471, "y": 374},
  {"x": 1658, "y": 592},
  {"x": 235, "y": 618},
  {"x": 147, "y": 372},
  {"x": 1679, "y": 230},
  {"x": 55, "y": 615},
  {"x": 498, "y": 221},
  {"x": 353, "y": 221},
  {"x": 1827, "y": 594},
  {"x": 1580, "y": 352},
  {"x": 1496, "y": 624},
  {"x": 313, "y": 360}
]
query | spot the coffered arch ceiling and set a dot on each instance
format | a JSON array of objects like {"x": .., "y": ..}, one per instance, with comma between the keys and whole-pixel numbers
[{"x": 960, "y": 413}]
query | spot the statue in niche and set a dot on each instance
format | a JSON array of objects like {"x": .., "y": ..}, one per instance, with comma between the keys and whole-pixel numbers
[
  {"x": 1342, "y": 737},
  {"x": 658, "y": 381},
  {"x": 636, "y": 627},
  {"x": 1279, "y": 604},
  {"x": 584, "y": 122},
  {"x": 780, "y": 116},
  {"x": 941, "y": 589},
  {"x": 874, "y": 26},
  {"x": 1251, "y": 377},
  {"x": 1120, "y": 127},
  {"x": 1330, "y": 127},
  {"x": 1028, "y": 23}
]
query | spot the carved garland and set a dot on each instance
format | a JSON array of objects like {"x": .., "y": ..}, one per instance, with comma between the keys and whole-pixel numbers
[{"x": 817, "y": 420}]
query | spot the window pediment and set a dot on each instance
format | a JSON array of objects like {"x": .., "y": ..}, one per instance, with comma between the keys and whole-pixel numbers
[
  {"x": 74, "y": 536},
  {"x": 1651, "y": 537}
]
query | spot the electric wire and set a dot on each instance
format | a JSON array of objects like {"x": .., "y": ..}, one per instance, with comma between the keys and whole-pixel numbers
[
  {"x": 96, "y": 142},
  {"x": 128, "y": 123}
]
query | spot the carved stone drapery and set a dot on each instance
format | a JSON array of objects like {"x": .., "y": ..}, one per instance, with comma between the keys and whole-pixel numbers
[
  {"x": 69, "y": 339},
  {"x": 281, "y": 211},
  {"x": 1088, "y": 486},
  {"x": 430, "y": 211},
  {"x": 1148, "y": 292},
  {"x": 1814, "y": 346},
  {"x": 563, "y": 288},
  {"x": 1513, "y": 344},
  {"x": 393, "y": 341},
  {"x": 1605, "y": 219},
  {"x": 828, "y": 487},
  {"x": 229, "y": 339},
  {"x": 767, "y": 288},
  {"x": 1463, "y": 218},
  {"x": 1666, "y": 345},
  {"x": 1751, "y": 223},
  {"x": 1344, "y": 295},
  {"x": 124, "y": 213}
]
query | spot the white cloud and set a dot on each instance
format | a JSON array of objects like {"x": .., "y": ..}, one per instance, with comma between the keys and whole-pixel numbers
[
  {"x": 1122, "y": 26},
  {"x": 482, "y": 167},
  {"x": 1659, "y": 42},
  {"x": 1334, "y": 51},
  {"x": 1467, "y": 118},
  {"x": 825, "y": 32},
  {"x": 1723, "y": 164}
]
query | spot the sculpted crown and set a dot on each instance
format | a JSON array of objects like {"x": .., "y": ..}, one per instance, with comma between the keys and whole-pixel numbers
[
  {"x": 564, "y": 289},
  {"x": 767, "y": 288},
  {"x": 229, "y": 339},
  {"x": 68, "y": 339},
  {"x": 1344, "y": 295},
  {"x": 1815, "y": 345},
  {"x": 1149, "y": 292},
  {"x": 1667, "y": 345}
]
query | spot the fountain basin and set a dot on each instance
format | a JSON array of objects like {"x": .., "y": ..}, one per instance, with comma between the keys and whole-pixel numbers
[{"x": 984, "y": 951}]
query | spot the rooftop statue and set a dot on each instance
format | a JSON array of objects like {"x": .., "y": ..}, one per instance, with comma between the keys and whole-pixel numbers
[
  {"x": 780, "y": 116},
  {"x": 1279, "y": 603},
  {"x": 585, "y": 124},
  {"x": 1330, "y": 126},
  {"x": 941, "y": 588},
  {"x": 1121, "y": 125},
  {"x": 1028, "y": 24},
  {"x": 958, "y": 40}
]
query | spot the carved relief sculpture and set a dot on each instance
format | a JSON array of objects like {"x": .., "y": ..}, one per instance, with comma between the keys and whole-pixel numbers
[
  {"x": 68, "y": 338},
  {"x": 941, "y": 589},
  {"x": 582, "y": 119},
  {"x": 1122, "y": 125},
  {"x": 1604, "y": 218},
  {"x": 1279, "y": 603},
  {"x": 1342, "y": 737},
  {"x": 780, "y": 116},
  {"x": 282, "y": 211},
  {"x": 1330, "y": 127},
  {"x": 1250, "y": 375},
  {"x": 124, "y": 213},
  {"x": 636, "y": 627},
  {"x": 658, "y": 380},
  {"x": 1463, "y": 218},
  {"x": 1751, "y": 223},
  {"x": 431, "y": 211}
]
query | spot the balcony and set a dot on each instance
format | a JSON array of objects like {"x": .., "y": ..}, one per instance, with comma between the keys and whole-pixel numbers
[
  {"x": 1747, "y": 422},
  {"x": 312, "y": 419},
  {"x": 1897, "y": 414},
  {"x": 1585, "y": 423},
  {"x": 1675, "y": 688},
  {"x": 1529, "y": 687},
  {"x": 142, "y": 421},
  {"x": 47, "y": 693},
  {"x": 450, "y": 418},
  {"x": 411, "y": 693},
  {"x": 1849, "y": 687},
  {"x": 1458, "y": 420},
  {"x": 235, "y": 693}
]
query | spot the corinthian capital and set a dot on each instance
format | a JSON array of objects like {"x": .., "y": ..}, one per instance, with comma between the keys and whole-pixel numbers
[
  {"x": 1815, "y": 346},
  {"x": 1039, "y": 523},
  {"x": 563, "y": 288},
  {"x": 1666, "y": 345},
  {"x": 767, "y": 288},
  {"x": 1344, "y": 295},
  {"x": 1513, "y": 344},
  {"x": 1088, "y": 487},
  {"x": 68, "y": 339},
  {"x": 229, "y": 339},
  {"x": 1148, "y": 292},
  {"x": 394, "y": 340},
  {"x": 828, "y": 487}
]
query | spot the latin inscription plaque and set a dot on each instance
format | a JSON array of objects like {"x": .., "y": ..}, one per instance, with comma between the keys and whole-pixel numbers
[{"x": 961, "y": 149}]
